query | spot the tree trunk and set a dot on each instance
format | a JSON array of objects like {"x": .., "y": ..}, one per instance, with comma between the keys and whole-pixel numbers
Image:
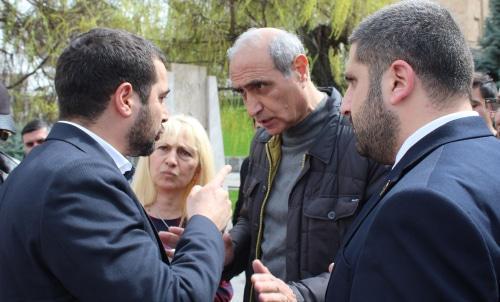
[{"x": 317, "y": 41}]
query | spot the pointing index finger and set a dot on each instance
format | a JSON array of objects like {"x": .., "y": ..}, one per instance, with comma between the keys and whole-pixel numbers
[{"x": 219, "y": 178}]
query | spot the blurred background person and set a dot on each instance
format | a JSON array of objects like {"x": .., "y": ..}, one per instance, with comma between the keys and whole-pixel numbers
[
  {"x": 7, "y": 128},
  {"x": 497, "y": 122},
  {"x": 182, "y": 158},
  {"x": 34, "y": 134},
  {"x": 484, "y": 98}
]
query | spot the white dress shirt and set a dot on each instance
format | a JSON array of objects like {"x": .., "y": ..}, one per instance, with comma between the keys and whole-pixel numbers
[{"x": 121, "y": 161}]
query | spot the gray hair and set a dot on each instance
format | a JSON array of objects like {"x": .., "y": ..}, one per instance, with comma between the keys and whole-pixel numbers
[
  {"x": 283, "y": 48},
  {"x": 425, "y": 36}
]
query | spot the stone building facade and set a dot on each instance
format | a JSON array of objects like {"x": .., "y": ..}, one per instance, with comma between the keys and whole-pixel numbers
[{"x": 470, "y": 15}]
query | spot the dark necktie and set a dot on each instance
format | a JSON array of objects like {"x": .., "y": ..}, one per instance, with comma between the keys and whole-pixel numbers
[{"x": 129, "y": 174}]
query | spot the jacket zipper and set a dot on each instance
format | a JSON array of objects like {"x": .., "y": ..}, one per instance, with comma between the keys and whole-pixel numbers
[
  {"x": 261, "y": 215},
  {"x": 266, "y": 196}
]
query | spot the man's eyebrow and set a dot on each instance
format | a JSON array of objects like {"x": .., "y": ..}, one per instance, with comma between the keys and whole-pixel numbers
[
  {"x": 237, "y": 89},
  {"x": 348, "y": 76},
  {"x": 255, "y": 83},
  {"x": 165, "y": 93}
]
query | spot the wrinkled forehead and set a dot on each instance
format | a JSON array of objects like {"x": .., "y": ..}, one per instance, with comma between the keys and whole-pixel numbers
[
  {"x": 254, "y": 67},
  {"x": 249, "y": 57}
]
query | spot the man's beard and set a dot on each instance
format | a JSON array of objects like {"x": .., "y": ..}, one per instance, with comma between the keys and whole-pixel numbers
[
  {"x": 376, "y": 127},
  {"x": 142, "y": 135}
]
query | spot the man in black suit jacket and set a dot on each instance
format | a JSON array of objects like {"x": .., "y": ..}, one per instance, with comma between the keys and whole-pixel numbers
[
  {"x": 433, "y": 231},
  {"x": 70, "y": 227}
]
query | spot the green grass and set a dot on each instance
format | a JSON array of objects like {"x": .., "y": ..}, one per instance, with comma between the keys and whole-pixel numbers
[
  {"x": 237, "y": 130},
  {"x": 233, "y": 196}
]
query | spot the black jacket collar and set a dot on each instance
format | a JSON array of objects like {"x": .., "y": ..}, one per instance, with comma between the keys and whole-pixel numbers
[
  {"x": 457, "y": 130},
  {"x": 78, "y": 138}
]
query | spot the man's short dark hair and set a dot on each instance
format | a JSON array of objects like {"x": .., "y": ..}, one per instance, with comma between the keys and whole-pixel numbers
[
  {"x": 487, "y": 86},
  {"x": 424, "y": 35},
  {"x": 95, "y": 63},
  {"x": 33, "y": 126}
]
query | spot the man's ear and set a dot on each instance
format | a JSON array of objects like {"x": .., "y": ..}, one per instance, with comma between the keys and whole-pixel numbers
[
  {"x": 301, "y": 66},
  {"x": 123, "y": 99},
  {"x": 402, "y": 81}
]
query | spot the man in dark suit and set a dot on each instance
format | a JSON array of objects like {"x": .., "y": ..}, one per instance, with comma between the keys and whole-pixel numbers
[
  {"x": 70, "y": 227},
  {"x": 433, "y": 231}
]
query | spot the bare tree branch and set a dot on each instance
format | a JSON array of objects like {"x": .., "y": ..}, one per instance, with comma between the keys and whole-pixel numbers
[{"x": 23, "y": 78}]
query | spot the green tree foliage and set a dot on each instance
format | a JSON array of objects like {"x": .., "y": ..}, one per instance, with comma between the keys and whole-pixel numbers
[
  {"x": 34, "y": 32},
  {"x": 200, "y": 31},
  {"x": 489, "y": 58}
]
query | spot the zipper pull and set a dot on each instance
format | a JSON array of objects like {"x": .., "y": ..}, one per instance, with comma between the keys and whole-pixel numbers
[{"x": 385, "y": 188}]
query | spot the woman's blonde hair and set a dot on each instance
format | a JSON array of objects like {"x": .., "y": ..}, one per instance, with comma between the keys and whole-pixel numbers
[{"x": 189, "y": 128}]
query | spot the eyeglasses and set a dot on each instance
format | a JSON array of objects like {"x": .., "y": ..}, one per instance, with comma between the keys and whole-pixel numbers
[
  {"x": 492, "y": 104},
  {"x": 4, "y": 134}
]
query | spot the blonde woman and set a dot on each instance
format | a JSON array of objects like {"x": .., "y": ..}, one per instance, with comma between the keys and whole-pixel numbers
[{"x": 182, "y": 158}]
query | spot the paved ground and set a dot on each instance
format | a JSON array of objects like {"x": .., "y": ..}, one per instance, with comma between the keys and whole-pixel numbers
[
  {"x": 238, "y": 284},
  {"x": 233, "y": 181}
]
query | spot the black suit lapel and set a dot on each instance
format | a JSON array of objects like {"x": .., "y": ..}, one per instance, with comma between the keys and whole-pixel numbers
[
  {"x": 151, "y": 230},
  {"x": 81, "y": 140},
  {"x": 78, "y": 138},
  {"x": 149, "y": 225},
  {"x": 460, "y": 129}
]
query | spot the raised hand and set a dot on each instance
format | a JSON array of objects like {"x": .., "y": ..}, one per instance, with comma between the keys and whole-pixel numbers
[
  {"x": 170, "y": 239},
  {"x": 267, "y": 287},
  {"x": 211, "y": 200}
]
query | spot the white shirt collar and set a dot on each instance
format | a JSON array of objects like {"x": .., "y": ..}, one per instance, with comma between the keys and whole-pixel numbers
[
  {"x": 121, "y": 161},
  {"x": 428, "y": 128}
]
